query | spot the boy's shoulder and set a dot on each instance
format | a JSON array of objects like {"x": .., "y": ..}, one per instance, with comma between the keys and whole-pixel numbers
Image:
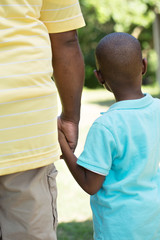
[
  {"x": 122, "y": 112},
  {"x": 106, "y": 119},
  {"x": 157, "y": 100}
]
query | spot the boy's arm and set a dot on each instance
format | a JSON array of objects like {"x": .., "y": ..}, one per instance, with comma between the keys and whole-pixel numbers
[
  {"x": 68, "y": 67},
  {"x": 89, "y": 181}
]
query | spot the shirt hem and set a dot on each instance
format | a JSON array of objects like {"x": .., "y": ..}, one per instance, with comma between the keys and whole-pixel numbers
[
  {"x": 28, "y": 163},
  {"x": 92, "y": 168}
]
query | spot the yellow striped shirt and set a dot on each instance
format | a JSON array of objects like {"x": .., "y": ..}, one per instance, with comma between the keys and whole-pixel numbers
[{"x": 28, "y": 102}]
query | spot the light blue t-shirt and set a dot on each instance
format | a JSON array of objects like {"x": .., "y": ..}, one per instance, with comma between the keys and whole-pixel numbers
[{"x": 124, "y": 145}]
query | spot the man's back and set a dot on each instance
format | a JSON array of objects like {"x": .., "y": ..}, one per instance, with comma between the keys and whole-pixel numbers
[{"x": 28, "y": 94}]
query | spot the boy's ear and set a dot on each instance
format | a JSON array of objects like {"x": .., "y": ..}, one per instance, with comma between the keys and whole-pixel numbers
[
  {"x": 99, "y": 76},
  {"x": 144, "y": 66}
]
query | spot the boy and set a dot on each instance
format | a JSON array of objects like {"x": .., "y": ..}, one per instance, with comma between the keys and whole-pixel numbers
[{"x": 119, "y": 166}]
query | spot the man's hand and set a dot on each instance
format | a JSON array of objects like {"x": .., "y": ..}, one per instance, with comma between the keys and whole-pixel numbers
[{"x": 70, "y": 131}]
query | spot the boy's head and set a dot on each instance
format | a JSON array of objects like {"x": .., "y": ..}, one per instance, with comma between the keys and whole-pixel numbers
[{"x": 119, "y": 63}]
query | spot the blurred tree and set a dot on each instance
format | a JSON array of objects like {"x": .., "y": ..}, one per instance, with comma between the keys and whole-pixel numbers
[{"x": 105, "y": 16}]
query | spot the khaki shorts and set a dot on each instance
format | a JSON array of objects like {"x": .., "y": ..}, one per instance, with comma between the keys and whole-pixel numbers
[{"x": 28, "y": 205}]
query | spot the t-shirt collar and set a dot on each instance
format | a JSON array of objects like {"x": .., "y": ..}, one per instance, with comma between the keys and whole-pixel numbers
[{"x": 133, "y": 104}]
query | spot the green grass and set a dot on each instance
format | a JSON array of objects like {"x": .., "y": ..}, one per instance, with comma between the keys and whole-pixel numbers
[
  {"x": 75, "y": 231},
  {"x": 75, "y": 217}
]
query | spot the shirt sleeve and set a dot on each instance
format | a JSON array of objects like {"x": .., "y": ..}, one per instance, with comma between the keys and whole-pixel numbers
[
  {"x": 61, "y": 15},
  {"x": 99, "y": 150}
]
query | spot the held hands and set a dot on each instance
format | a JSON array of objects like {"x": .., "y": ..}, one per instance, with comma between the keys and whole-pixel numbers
[{"x": 67, "y": 133}]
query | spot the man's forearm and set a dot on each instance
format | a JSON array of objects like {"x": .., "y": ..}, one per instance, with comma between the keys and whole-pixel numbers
[{"x": 68, "y": 67}]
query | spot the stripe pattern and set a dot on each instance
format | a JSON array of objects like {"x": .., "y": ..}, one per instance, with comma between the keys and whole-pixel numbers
[{"x": 28, "y": 102}]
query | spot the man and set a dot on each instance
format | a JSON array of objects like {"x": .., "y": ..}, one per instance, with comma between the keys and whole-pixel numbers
[{"x": 35, "y": 34}]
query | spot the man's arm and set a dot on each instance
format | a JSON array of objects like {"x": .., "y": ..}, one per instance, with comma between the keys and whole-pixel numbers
[
  {"x": 89, "y": 181},
  {"x": 68, "y": 67}
]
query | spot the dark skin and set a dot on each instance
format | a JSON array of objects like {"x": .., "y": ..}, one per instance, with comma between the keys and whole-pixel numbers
[
  {"x": 120, "y": 66},
  {"x": 125, "y": 85},
  {"x": 68, "y": 68},
  {"x": 124, "y": 93},
  {"x": 89, "y": 181}
]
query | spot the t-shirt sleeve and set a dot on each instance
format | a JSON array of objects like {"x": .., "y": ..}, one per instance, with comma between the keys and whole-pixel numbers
[
  {"x": 99, "y": 150},
  {"x": 61, "y": 15}
]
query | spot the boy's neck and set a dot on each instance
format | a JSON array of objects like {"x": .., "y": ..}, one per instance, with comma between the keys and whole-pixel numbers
[{"x": 128, "y": 95}]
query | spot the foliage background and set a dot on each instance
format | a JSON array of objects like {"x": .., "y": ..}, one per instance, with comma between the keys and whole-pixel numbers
[{"x": 106, "y": 16}]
